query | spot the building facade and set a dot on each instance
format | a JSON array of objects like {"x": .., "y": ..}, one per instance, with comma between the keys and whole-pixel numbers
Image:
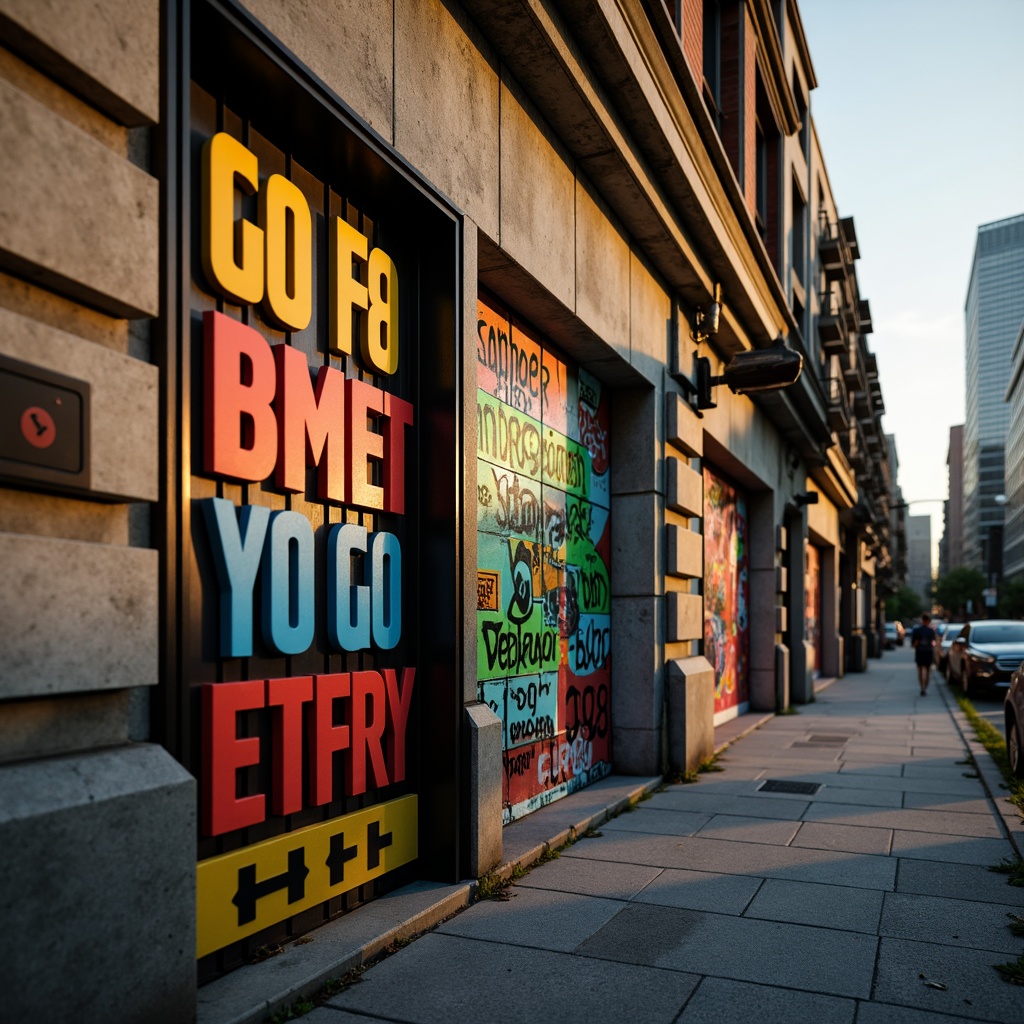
[
  {"x": 369, "y": 481},
  {"x": 919, "y": 557},
  {"x": 951, "y": 548},
  {"x": 993, "y": 313},
  {"x": 1013, "y": 533}
]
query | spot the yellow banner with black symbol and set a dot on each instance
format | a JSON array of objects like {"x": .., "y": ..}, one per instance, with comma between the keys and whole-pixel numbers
[{"x": 247, "y": 890}]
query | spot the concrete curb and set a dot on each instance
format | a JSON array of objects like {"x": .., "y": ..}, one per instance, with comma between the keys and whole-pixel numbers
[
  {"x": 251, "y": 993},
  {"x": 989, "y": 773}
]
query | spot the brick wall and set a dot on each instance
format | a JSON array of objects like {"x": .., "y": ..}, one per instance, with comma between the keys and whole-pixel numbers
[
  {"x": 730, "y": 98},
  {"x": 693, "y": 37}
]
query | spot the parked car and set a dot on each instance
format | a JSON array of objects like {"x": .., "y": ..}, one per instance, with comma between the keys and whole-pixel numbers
[
  {"x": 984, "y": 654},
  {"x": 947, "y": 636},
  {"x": 1013, "y": 721},
  {"x": 892, "y": 637}
]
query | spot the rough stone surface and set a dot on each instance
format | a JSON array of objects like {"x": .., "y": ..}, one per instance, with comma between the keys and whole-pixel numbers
[
  {"x": 684, "y": 552},
  {"x": 684, "y": 488},
  {"x": 684, "y": 616},
  {"x": 650, "y": 318},
  {"x": 718, "y": 1000},
  {"x": 700, "y": 890},
  {"x": 453, "y": 138},
  {"x": 125, "y": 398},
  {"x": 537, "y": 188},
  {"x": 484, "y": 770},
  {"x": 634, "y": 526},
  {"x": 636, "y": 704},
  {"x": 63, "y": 603},
  {"x": 108, "y": 52},
  {"x": 691, "y": 705},
  {"x": 346, "y": 43},
  {"x": 827, "y": 906},
  {"x": 73, "y": 215},
  {"x": 106, "y": 843},
  {"x": 682, "y": 427}
]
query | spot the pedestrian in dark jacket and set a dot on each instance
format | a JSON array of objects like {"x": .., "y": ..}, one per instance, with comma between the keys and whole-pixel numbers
[{"x": 923, "y": 639}]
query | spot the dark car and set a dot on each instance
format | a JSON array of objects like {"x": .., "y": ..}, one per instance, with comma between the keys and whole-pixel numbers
[{"x": 985, "y": 654}]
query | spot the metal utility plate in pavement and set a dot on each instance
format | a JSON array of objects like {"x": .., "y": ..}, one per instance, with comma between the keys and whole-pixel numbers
[{"x": 784, "y": 786}]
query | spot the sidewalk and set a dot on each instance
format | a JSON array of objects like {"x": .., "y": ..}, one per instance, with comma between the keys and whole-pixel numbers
[{"x": 853, "y": 887}]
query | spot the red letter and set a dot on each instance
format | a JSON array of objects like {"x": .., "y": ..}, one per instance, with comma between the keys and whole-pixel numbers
[
  {"x": 325, "y": 737},
  {"x": 310, "y": 428},
  {"x": 240, "y": 436},
  {"x": 400, "y": 416},
  {"x": 363, "y": 400},
  {"x": 288, "y": 696},
  {"x": 224, "y": 754},
  {"x": 398, "y": 718},
  {"x": 367, "y": 733}
]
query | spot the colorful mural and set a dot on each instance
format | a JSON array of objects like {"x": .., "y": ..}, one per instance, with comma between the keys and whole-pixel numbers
[
  {"x": 726, "y": 585},
  {"x": 543, "y": 593},
  {"x": 812, "y": 605}
]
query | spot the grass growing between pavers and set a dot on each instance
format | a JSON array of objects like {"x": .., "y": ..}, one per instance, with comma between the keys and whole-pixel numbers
[{"x": 992, "y": 740}]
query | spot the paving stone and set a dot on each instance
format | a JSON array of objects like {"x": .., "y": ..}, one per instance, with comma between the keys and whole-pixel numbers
[
  {"x": 739, "y": 829},
  {"x": 445, "y": 978},
  {"x": 972, "y": 986},
  {"x": 943, "y": 847},
  {"x": 591, "y": 878},
  {"x": 908, "y": 820},
  {"x": 759, "y": 860},
  {"x": 962, "y": 804},
  {"x": 745, "y": 949},
  {"x": 700, "y": 890},
  {"x": 828, "y": 906},
  {"x": 854, "y": 795},
  {"x": 660, "y": 821},
  {"x": 714, "y": 803},
  {"x": 955, "y": 880},
  {"x": 870, "y": 768},
  {"x": 953, "y": 772},
  {"x": 850, "y": 838},
  {"x": 886, "y": 1013},
  {"x": 718, "y": 1000},
  {"x": 541, "y": 918},
  {"x": 950, "y": 922}
]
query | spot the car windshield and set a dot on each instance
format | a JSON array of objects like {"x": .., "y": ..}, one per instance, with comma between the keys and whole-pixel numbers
[
  {"x": 997, "y": 633},
  {"x": 951, "y": 631}
]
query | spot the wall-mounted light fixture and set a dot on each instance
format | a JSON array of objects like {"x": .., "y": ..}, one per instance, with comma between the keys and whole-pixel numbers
[
  {"x": 705, "y": 321},
  {"x": 810, "y": 498},
  {"x": 763, "y": 369}
]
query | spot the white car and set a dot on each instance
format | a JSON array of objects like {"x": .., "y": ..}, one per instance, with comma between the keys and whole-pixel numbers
[{"x": 949, "y": 634}]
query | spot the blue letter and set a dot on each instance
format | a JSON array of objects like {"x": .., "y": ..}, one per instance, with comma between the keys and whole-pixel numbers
[
  {"x": 348, "y": 606},
  {"x": 288, "y": 592},
  {"x": 386, "y": 555}
]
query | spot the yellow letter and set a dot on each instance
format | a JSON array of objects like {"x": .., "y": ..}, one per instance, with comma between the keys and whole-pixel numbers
[
  {"x": 380, "y": 342},
  {"x": 346, "y": 292},
  {"x": 227, "y": 164},
  {"x": 284, "y": 211}
]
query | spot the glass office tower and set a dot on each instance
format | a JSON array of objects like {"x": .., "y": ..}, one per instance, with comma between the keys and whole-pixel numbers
[{"x": 993, "y": 313}]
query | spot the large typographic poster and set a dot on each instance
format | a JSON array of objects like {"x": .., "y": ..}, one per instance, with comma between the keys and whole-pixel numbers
[
  {"x": 812, "y": 606},
  {"x": 726, "y": 591},
  {"x": 543, "y": 593}
]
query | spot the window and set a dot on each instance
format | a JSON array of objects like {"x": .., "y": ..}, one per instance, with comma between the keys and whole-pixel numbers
[
  {"x": 801, "y": 106},
  {"x": 761, "y": 180},
  {"x": 799, "y": 233}
]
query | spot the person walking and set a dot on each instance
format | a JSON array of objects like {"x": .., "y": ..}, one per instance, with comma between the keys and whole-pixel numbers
[{"x": 922, "y": 639}]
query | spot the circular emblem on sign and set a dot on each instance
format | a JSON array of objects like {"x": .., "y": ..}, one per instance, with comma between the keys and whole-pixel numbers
[{"x": 37, "y": 427}]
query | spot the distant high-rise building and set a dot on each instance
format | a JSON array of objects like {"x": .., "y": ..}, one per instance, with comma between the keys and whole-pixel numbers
[
  {"x": 951, "y": 548},
  {"x": 993, "y": 313},
  {"x": 1013, "y": 537},
  {"x": 919, "y": 556}
]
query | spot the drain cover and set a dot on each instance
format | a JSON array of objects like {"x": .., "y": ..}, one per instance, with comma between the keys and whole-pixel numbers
[
  {"x": 815, "y": 746},
  {"x": 838, "y": 740},
  {"x": 782, "y": 786}
]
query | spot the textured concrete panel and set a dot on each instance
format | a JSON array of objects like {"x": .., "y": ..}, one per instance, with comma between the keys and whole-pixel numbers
[
  {"x": 650, "y": 321},
  {"x": 684, "y": 488},
  {"x": 637, "y": 675},
  {"x": 691, "y": 707},
  {"x": 484, "y": 765},
  {"x": 851, "y": 838},
  {"x": 636, "y": 444},
  {"x": 105, "y": 843},
  {"x": 637, "y": 751},
  {"x": 683, "y": 428},
  {"x": 125, "y": 401},
  {"x": 452, "y": 138},
  {"x": 828, "y": 906},
  {"x": 443, "y": 978},
  {"x": 73, "y": 215},
  {"x": 684, "y": 555},
  {"x": 537, "y": 197},
  {"x": 951, "y": 922},
  {"x": 635, "y": 521},
  {"x": 47, "y": 515},
  {"x": 108, "y": 52},
  {"x": 700, "y": 890},
  {"x": 76, "y": 616},
  {"x": 346, "y": 43},
  {"x": 591, "y": 878},
  {"x": 739, "y": 829},
  {"x": 658, "y": 823},
  {"x": 684, "y": 616},
  {"x": 540, "y": 918},
  {"x": 815, "y": 959},
  {"x": 719, "y": 1000},
  {"x": 955, "y": 879},
  {"x": 60, "y": 725},
  {"x": 602, "y": 271}
]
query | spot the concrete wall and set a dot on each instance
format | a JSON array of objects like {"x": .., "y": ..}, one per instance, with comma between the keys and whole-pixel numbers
[{"x": 97, "y": 824}]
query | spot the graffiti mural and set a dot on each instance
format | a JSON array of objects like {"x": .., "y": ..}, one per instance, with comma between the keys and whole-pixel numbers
[
  {"x": 812, "y": 606},
  {"x": 726, "y": 586},
  {"x": 543, "y": 542}
]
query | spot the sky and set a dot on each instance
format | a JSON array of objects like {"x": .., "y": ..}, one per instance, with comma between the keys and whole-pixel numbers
[{"x": 920, "y": 112}]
